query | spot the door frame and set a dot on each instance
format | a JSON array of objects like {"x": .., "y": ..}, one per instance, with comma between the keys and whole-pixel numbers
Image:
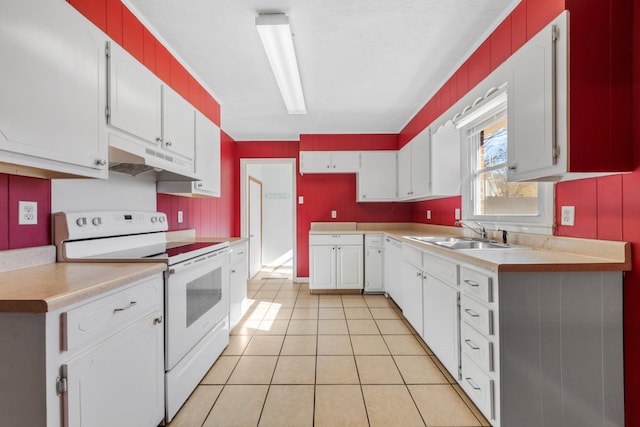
[
  {"x": 244, "y": 199},
  {"x": 258, "y": 182}
]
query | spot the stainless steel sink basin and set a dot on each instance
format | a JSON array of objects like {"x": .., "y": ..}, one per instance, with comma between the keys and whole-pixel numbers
[{"x": 460, "y": 242}]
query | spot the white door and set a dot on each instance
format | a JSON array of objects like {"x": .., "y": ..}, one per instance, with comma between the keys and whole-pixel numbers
[
  {"x": 350, "y": 262},
  {"x": 255, "y": 226}
]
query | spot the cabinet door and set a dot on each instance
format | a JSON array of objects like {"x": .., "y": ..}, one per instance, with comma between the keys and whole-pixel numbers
[
  {"x": 404, "y": 172},
  {"x": 393, "y": 270},
  {"x": 178, "y": 124},
  {"x": 315, "y": 161},
  {"x": 531, "y": 138},
  {"x": 134, "y": 97},
  {"x": 373, "y": 270},
  {"x": 350, "y": 267},
  {"x": 377, "y": 177},
  {"x": 238, "y": 273},
  {"x": 441, "y": 322},
  {"x": 412, "y": 296},
  {"x": 322, "y": 267},
  {"x": 207, "y": 156},
  {"x": 420, "y": 165},
  {"x": 445, "y": 161},
  {"x": 345, "y": 161},
  {"x": 121, "y": 380},
  {"x": 52, "y": 87}
]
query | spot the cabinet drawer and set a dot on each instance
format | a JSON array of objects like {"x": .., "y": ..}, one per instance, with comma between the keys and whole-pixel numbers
[
  {"x": 373, "y": 239},
  {"x": 441, "y": 268},
  {"x": 238, "y": 253},
  {"x": 477, "y": 347},
  {"x": 479, "y": 386},
  {"x": 477, "y": 315},
  {"x": 335, "y": 239},
  {"x": 102, "y": 318},
  {"x": 477, "y": 283},
  {"x": 412, "y": 255}
]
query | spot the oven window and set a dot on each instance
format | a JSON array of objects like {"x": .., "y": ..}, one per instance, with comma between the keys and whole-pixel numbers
[{"x": 202, "y": 294}]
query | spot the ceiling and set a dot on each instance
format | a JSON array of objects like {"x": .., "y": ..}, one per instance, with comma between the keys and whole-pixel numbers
[{"x": 367, "y": 66}]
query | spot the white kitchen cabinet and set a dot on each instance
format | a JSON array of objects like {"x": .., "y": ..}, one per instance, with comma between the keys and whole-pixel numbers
[
  {"x": 238, "y": 275},
  {"x": 373, "y": 263},
  {"x": 412, "y": 277},
  {"x": 97, "y": 362},
  {"x": 178, "y": 124},
  {"x": 52, "y": 86},
  {"x": 537, "y": 106},
  {"x": 442, "y": 321},
  {"x": 336, "y": 261},
  {"x": 414, "y": 179},
  {"x": 208, "y": 164},
  {"x": 377, "y": 177},
  {"x": 329, "y": 161},
  {"x": 445, "y": 162},
  {"x": 393, "y": 269}
]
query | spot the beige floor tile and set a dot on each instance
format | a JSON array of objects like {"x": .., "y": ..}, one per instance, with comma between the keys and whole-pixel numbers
[
  {"x": 255, "y": 313},
  {"x": 253, "y": 370},
  {"x": 303, "y": 327},
  {"x": 331, "y": 313},
  {"x": 277, "y": 312},
  {"x": 340, "y": 405},
  {"x": 306, "y": 303},
  {"x": 266, "y": 345},
  {"x": 287, "y": 293},
  {"x": 357, "y": 313},
  {"x": 299, "y": 345},
  {"x": 197, "y": 407},
  {"x": 266, "y": 295},
  {"x": 271, "y": 287},
  {"x": 384, "y": 313},
  {"x": 377, "y": 301},
  {"x": 305, "y": 313},
  {"x": 483, "y": 421},
  {"x": 288, "y": 405},
  {"x": 393, "y": 327},
  {"x": 221, "y": 370},
  {"x": 254, "y": 286},
  {"x": 444, "y": 370},
  {"x": 354, "y": 302},
  {"x": 404, "y": 345},
  {"x": 251, "y": 294},
  {"x": 336, "y": 370},
  {"x": 245, "y": 327},
  {"x": 419, "y": 370},
  {"x": 332, "y": 327},
  {"x": 284, "y": 302},
  {"x": 330, "y": 303},
  {"x": 440, "y": 405},
  {"x": 369, "y": 345},
  {"x": 390, "y": 405},
  {"x": 295, "y": 370},
  {"x": 334, "y": 345},
  {"x": 362, "y": 327},
  {"x": 237, "y": 344},
  {"x": 303, "y": 293},
  {"x": 272, "y": 327},
  {"x": 238, "y": 405},
  {"x": 378, "y": 370}
]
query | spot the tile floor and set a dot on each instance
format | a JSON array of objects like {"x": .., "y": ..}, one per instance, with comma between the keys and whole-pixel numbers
[{"x": 298, "y": 359}]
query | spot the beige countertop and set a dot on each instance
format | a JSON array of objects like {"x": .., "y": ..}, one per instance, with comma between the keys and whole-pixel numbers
[
  {"x": 52, "y": 286},
  {"x": 537, "y": 252}
]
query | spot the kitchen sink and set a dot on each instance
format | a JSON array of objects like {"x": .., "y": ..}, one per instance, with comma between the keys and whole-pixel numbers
[{"x": 461, "y": 242}]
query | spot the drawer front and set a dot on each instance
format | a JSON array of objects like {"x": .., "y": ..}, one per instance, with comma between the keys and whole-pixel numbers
[
  {"x": 441, "y": 268},
  {"x": 335, "y": 239},
  {"x": 238, "y": 253},
  {"x": 477, "y": 283},
  {"x": 412, "y": 255},
  {"x": 477, "y": 315},
  {"x": 479, "y": 386},
  {"x": 373, "y": 239},
  {"x": 477, "y": 347},
  {"x": 102, "y": 318}
]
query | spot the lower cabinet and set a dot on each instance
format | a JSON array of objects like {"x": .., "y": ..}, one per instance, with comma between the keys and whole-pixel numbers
[
  {"x": 238, "y": 274},
  {"x": 393, "y": 269},
  {"x": 373, "y": 263},
  {"x": 412, "y": 296},
  {"x": 336, "y": 261},
  {"x": 99, "y": 362}
]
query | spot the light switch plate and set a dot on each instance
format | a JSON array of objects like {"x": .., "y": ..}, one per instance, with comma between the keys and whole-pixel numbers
[
  {"x": 457, "y": 214},
  {"x": 27, "y": 213},
  {"x": 180, "y": 217},
  {"x": 334, "y": 214},
  {"x": 568, "y": 215},
  {"x": 428, "y": 213},
  {"x": 301, "y": 200}
]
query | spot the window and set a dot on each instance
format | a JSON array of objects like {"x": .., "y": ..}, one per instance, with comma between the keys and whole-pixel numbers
[{"x": 487, "y": 195}]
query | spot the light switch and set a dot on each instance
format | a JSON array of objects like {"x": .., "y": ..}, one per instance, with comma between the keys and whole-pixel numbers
[
  {"x": 301, "y": 200},
  {"x": 180, "y": 217},
  {"x": 334, "y": 214},
  {"x": 568, "y": 215},
  {"x": 428, "y": 213}
]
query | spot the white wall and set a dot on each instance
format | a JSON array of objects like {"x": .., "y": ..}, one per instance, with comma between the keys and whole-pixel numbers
[{"x": 119, "y": 192}]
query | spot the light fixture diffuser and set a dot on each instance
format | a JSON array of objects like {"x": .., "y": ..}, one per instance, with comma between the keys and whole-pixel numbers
[{"x": 275, "y": 33}]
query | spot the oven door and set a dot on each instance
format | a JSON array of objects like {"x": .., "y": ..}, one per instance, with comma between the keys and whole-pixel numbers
[{"x": 196, "y": 299}]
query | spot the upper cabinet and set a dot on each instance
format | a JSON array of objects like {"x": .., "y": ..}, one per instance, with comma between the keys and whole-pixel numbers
[
  {"x": 329, "y": 161},
  {"x": 377, "y": 176},
  {"x": 52, "y": 86},
  {"x": 178, "y": 125},
  {"x": 414, "y": 168},
  {"x": 445, "y": 161}
]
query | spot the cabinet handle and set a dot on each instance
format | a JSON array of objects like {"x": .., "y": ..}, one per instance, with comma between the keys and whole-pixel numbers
[
  {"x": 471, "y": 383},
  {"x": 241, "y": 253},
  {"x": 334, "y": 166},
  {"x": 471, "y": 312},
  {"x": 472, "y": 345},
  {"x": 168, "y": 143},
  {"x": 126, "y": 307},
  {"x": 159, "y": 140},
  {"x": 233, "y": 271},
  {"x": 418, "y": 274},
  {"x": 471, "y": 283},
  {"x": 101, "y": 162},
  {"x": 199, "y": 185},
  {"x": 512, "y": 168},
  {"x": 157, "y": 320}
]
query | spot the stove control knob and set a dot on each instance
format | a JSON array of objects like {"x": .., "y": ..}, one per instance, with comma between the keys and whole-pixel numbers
[
  {"x": 162, "y": 218},
  {"x": 82, "y": 221},
  {"x": 96, "y": 221},
  {"x": 154, "y": 219}
]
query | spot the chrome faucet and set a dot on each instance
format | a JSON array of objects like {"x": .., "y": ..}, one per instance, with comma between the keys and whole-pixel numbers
[{"x": 480, "y": 231}]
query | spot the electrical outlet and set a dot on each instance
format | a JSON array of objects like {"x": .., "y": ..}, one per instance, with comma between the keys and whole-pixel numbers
[
  {"x": 568, "y": 215},
  {"x": 180, "y": 217},
  {"x": 27, "y": 213},
  {"x": 334, "y": 214},
  {"x": 428, "y": 214},
  {"x": 457, "y": 214}
]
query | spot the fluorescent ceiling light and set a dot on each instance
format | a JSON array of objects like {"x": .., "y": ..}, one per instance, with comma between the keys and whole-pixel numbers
[
  {"x": 481, "y": 107},
  {"x": 275, "y": 34}
]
